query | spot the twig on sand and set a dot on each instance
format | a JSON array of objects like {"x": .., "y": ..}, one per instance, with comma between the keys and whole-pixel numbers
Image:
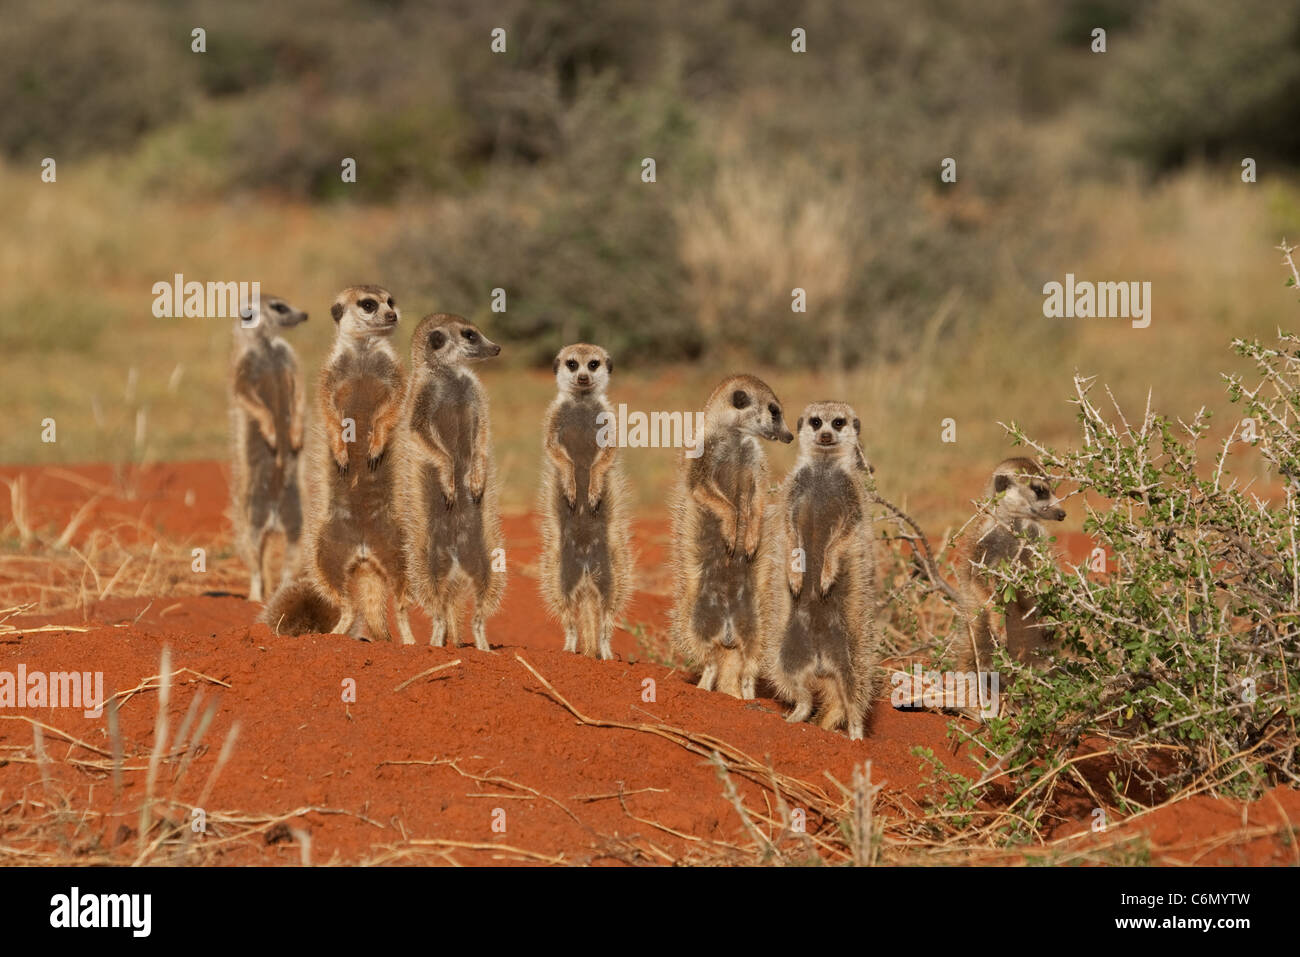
[
  {"x": 427, "y": 671},
  {"x": 704, "y": 745}
]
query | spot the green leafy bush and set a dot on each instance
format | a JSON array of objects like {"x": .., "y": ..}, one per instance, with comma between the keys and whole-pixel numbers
[{"x": 1180, "y": 650}]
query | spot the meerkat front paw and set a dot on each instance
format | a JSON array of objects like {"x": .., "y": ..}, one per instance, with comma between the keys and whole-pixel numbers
[
  {"x": 751, "y": 541},
  {"x": 593, "y": 500},
  {"x": 448, "y": 495},
  {"x": 827, "y": 583},
  {"x": 375, "y": 461},
  {"x": 295, "y": 438},
  {"x": 729, "y": 535},
  {"x": 796, "y": 583},
  {"x": 477, "y": 478},
  {"x": 570, "y": 489},
  {"x": 339, "y": 450}
]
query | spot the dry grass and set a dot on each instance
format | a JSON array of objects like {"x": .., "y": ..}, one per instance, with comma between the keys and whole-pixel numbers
[
  {"x": 126, "y": 387},
  {"x": 54, "y": 824}
]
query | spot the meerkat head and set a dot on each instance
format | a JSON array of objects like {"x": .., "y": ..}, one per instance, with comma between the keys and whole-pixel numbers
[
  {"x": 583, "y": 368},
  {"x": 831, "y": 429},
  {"x": 747, "y": 403},
  {"x": 1020, "y": 489},
  {"x": 361, "y": 312},
  {"x": 273, "y": 314},
  {"x": 444, "y": 339}
]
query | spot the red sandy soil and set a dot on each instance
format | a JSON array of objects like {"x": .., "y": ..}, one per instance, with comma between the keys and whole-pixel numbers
[{"x": 369, "y": 780}]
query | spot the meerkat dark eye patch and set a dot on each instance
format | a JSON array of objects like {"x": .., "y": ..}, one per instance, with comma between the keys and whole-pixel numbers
[
  {"x": 815, "y": 422},
  {"x": 1001, "y": 483},
  {"x": 368, "y": 305},
  {"x": 1041, "y": 492},
  {"x": 740, "y": 399},
  {"x": 437, "y": 339},
  {"x": 469, "y": 334},
  {"x": 593, "y": 365},
  {"x": 837, "y": 424},
  {"x": 571, "y": 365},
  {"x": 774, "y": 409},
  {"x": 390, "y": 302},
  {"x": 336, "y": 311},
  {"x": 279, "y": 307}
]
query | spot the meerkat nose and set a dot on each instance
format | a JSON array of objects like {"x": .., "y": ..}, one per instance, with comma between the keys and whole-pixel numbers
[{"x": 390, "y": 316}]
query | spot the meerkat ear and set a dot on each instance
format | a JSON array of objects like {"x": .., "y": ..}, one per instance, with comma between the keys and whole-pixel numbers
[
  {"x": 857, "y": 426},
  {"x": 437, "y": 339},
  {"x": 336, "y": 311},
  {"x": 609, "y": 365},
  {"x": 556, "y": 366},
  {"x": 1001, "y": 483},
  {"x": 862, "y": 463},
  {"x": 740, "y": 399},
  {"x": 798, "y": 426}
]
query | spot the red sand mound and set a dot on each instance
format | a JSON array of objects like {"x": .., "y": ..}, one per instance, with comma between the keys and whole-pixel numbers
[{"x": 477, "y": 762}]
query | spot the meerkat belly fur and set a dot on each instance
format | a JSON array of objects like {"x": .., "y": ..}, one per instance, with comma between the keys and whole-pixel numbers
[
  {"x": 717, "y": 532},
  {"x": 354, "y": 560},
  {"x": 266, "y": 416},
  {"x": 1020, "y": 499},
  {"x": 453, "y": 531},
  {"x": 822, "y": 639},
  {"x": 586, "y": 562}
]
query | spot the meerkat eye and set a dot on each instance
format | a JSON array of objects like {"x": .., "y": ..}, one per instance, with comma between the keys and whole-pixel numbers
[
  {"x": 469, "y": 334},
  {"x": 368, "y": 305},
  {"x": 390, "y": 302},
  {"x": 571, "y": 365},
  {"x": 815, "y": 422},
  {"x": 774, "y": 409},
  {"x": 1041, "y": 493},
  {"x": 279, "y": 307},
  {"x": 593, "y": 365},
  {"x": 837, "y": 424}
]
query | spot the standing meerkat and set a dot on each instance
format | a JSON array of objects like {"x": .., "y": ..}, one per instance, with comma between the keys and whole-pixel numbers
[
  {"x": 822, "y": 639},
  {"x": 355, "y": 560},
  {"x": 453, "y": 532},
  {"x": 1020, "y": 500},
  {"x": 585, "y": 573},
  {"x": 266, "y": 416},
  {"x": 717, "y": 530}
]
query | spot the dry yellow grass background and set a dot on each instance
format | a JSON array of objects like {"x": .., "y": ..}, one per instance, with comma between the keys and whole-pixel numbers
[{"x": 78, "y": 259}]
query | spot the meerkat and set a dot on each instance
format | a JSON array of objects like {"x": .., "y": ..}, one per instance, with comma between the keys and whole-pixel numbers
[
  {"x": 585, "y": 573},
  {"x": 266, "y": 417},
  {"x": 717, "y": 530},
  {"x": 355, "y": 559},
  {"x": 821, "y": 634},
  {"x": 1020, "y": 500},
  {"x": 453, "y": 532}
]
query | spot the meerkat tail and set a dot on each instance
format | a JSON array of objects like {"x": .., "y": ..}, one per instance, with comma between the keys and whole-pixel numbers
[
  {"x": 590, "y": 626},
  {"x": 297, "y": 608},
  {"x": 731, "y": 663},
  {"x": 370, "y": 595}
]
